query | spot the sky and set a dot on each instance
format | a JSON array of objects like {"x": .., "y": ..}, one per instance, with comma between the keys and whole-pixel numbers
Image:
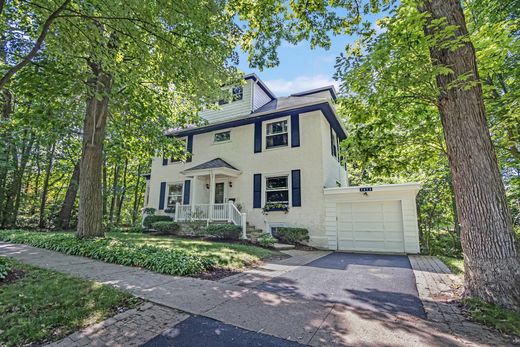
[{"x": 301, "y": 68}]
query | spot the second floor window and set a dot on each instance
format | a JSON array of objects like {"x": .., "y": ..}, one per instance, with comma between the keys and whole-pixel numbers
[
  {"x": 223, "y": 136},
  {"x": 277, "y": 134},
  {"x": 174, "y": 194}
]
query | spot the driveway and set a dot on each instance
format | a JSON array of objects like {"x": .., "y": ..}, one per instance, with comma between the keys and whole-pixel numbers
[{"x": 382, "y": 283}]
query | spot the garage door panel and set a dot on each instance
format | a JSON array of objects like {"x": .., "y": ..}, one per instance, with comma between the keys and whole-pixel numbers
[{"x": 375, "y": 226}]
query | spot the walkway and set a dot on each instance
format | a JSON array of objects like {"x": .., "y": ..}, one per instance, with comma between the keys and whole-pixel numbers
[{"x": 293, "y": 318}]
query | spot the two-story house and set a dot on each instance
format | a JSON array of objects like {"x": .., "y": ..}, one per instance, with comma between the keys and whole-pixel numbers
[{"x": 276, "y": 162}]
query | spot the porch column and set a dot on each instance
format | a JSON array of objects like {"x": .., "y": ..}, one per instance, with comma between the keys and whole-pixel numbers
[
  {"x": 193, "y": 192},
  {"x": 211, "y": 193}
]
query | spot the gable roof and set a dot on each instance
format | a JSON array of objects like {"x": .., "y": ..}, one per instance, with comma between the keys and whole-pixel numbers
[
  {"x": 216, "y": 163},
  {"x": 261, "y": 84},
  {"x": 330, "y": 88}
]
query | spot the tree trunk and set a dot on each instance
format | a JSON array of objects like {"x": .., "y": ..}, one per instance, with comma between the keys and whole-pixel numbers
[
  {"x": 136, "y": 196},
  {"x": 24, "y": 159},
  {"x": 45, "y": 190},
  {"x": 121, "y": 195},
  {"x": 70, "y": 198},
  {"x": 114, "y": 194},
  {"x": 491, "y": 259},
  {"x": 90, "y": 214},
  {"x": 105, "y": 190}
]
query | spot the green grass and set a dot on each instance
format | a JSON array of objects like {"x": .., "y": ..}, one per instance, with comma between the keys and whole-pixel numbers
[
  {"x": 226, "y": 255},
  {"x": 44, "y": 306},
  {"x": 505, "y": 321},
  {"x": 456, "y": 265}
]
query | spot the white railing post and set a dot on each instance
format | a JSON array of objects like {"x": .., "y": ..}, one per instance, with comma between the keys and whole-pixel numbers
[
  {"x": 177, "y": 208},
  {"x": 244, "y": 226},
  {"x": 229, "y": 211}
]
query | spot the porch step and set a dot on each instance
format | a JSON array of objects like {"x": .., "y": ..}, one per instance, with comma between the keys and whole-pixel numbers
[{"x": 282, "y": 246}]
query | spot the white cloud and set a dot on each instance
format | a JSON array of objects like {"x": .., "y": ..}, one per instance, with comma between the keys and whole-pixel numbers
[{"x": 284, "y": 87}]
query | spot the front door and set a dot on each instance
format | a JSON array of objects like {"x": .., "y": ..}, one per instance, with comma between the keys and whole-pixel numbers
[{"x": 219, "y": 193}]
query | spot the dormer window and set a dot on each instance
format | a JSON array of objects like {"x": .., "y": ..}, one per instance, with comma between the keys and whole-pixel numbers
[{"x": 237, "y": 93}]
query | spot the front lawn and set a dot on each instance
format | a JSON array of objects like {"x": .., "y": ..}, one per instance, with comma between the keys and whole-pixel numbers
[
  {"x": 226, "y": 255},
  {"x": 39, "y": 306}
]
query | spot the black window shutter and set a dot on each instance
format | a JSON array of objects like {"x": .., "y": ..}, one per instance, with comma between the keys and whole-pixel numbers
[
  {"x": 258, "y": 137},
  {"x": 189, "y": 147},
  {"x": 162, "y": 195},
  {"x": 164, "y": 161},
  {"x": 257, "y": 191},
  {"x": 296, "y": 188},
  {"x": 186, "y": 195},
  {"x": 295, "y": 130}
]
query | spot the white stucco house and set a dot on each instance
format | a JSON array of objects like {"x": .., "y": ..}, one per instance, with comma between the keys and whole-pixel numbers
[{"x": 272, "y": 162}]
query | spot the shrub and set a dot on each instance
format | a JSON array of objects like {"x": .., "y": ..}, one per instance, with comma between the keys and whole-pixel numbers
[
  {"x": 149, "y": 220},
  {"x": 292, "y": 235},
  {"x": 136, "y": 229},
  {"x": 110, "y": 250},
  {"x": 166, "y": 227},
  {"x": 266, "y": 240},
  {"x": 4, "y": 268},
  {"x": 226, "y": 231}
]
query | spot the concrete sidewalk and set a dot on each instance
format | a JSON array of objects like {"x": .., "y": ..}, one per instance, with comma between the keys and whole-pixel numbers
[{"x": 297, "y": 319}]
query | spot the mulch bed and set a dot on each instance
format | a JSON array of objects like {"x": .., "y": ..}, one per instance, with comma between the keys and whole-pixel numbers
[
  {"x": 12, "y": 276},
  {"x": 216, "y": 274}
]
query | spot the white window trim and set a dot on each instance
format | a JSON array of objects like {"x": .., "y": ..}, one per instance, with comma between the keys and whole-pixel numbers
[
  {"x": 167, "y": 195},
  {"x": 277, "y": 174},
  {"x": 218, "y": 132},
  {"x": 264, "y": 133}
]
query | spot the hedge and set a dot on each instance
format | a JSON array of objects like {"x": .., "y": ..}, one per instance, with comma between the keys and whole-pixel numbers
[
  {"x": 292, "y": 235},
  {"x": 225, "y": 231},
  {"x": 166, "y": 227},
  {"x": 110, "y": 250},
  {"x": 149, "y": 220}
]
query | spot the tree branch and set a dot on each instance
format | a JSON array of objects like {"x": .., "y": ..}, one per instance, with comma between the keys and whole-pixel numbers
[{"x": 37, "y": 45}]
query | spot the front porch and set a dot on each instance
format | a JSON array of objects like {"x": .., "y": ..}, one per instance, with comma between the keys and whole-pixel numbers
[
  {"x": 223, "y": 212},
  {"x": 212, "y": 195}
]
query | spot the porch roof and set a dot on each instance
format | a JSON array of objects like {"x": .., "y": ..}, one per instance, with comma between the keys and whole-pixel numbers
[{"x": 216, "y": 164}]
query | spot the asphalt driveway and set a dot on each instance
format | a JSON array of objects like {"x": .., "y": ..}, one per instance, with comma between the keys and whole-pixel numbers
[{"x": 381, "y": 283}]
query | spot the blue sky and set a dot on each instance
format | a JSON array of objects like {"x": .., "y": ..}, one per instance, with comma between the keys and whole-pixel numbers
[{"x": 301, "y": 68}]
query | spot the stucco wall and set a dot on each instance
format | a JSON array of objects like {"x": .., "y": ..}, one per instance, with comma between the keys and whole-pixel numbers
[{"x": 239, "y": 152}]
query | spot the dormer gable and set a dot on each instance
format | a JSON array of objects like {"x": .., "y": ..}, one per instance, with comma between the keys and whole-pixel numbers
[{"x": 243, "y": 100}]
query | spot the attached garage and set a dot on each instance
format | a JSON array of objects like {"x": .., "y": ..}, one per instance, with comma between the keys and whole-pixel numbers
[{"x": 379, "y": 219}]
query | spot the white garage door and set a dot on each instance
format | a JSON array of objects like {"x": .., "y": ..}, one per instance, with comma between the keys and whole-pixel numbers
[{"x": 370, "y": 226}]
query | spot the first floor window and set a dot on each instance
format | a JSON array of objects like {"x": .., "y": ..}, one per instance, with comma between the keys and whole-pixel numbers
[
  {"x": 277, "y": 134},
  {"x": 277, "y": 190},
  {"x": 174, "y": 194}
]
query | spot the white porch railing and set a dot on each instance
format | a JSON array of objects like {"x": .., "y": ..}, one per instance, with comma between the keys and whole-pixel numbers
[{"x": 211, "y": 212}]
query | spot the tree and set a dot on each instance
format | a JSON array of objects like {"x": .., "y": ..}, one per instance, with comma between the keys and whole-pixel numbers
[
  {"x": 491, "y": 254},
  {"x": 491, "y": 258}
]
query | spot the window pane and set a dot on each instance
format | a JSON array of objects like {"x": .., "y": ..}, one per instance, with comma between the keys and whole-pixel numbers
[
  {"x": 276, "y": 182},
  {"x": 175, "y": 189},
  {"x": 237, "y": 93},
  {"x": 223, "y": 136},
  {"x": 174, "y": 194},
  {"x": 277, "y": 140},
  {"x": 277, "y": 128},
  {"x": 278, "y": 196}
]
